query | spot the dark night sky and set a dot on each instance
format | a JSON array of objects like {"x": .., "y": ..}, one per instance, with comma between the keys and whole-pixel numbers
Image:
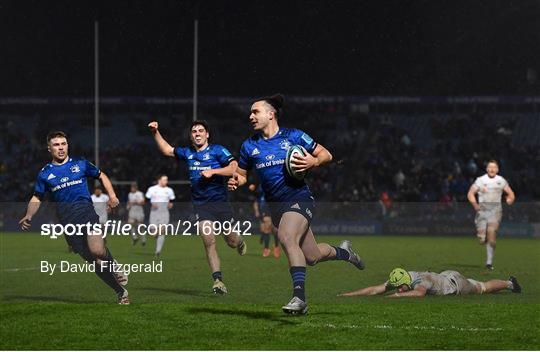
[{"x": 256, "y": 47}]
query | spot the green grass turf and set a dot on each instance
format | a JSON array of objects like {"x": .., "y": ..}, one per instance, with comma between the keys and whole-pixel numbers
[{"x": 176, "y": 309}]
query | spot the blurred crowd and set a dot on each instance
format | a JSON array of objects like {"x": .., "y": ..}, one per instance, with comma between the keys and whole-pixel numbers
[
  {"x": 384, "y": 158},
  {"x": 380, "y": 160}
]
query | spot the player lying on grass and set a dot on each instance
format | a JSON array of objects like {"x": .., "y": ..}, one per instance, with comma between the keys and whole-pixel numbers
[
  {"x": 421, "y": 283},
  {"x": 290, "y": 201},
  {"x": 208, "y": 165},
  {"x": 65, "y": 179}
]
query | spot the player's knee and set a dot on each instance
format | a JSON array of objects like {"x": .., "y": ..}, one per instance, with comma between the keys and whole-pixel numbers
[
  {"x": 209, "y": 241},
  {"x": 286, "y": 236},
  {"x": 98, "y": 252},
  {"x": 492, "y": 242},
  {"x": 492, "y": 229},
  {"x": 287, "y": 241}
]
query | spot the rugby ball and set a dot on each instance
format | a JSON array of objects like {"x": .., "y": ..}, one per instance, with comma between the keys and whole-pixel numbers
[{"x": 294, "y": 150}]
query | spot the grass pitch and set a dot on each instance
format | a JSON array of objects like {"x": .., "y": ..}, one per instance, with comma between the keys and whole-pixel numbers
[{"x": 176, "y": 309}]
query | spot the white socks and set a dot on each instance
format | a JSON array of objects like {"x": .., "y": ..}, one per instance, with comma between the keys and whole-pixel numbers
[
  {"x": 489, "y": 250},
  {"x": 159, "y": 243},
  {"x": 137, "y": 237}
]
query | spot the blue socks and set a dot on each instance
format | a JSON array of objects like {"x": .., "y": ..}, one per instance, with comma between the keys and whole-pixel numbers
[
  {"x": 298, "y": 275},
  {"x": 217, "y": 275},
  {"x": 105, "y": 274},
  {"x": 341, "y": 254}
]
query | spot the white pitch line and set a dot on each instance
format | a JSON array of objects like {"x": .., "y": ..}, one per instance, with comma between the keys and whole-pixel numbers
[
  {"x": 19, "y": 269},
  {"x": 415, "y": 327},
  {"x": 439, "y": 328}
]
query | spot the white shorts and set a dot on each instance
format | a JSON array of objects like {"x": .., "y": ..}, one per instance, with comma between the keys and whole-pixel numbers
[
  {"x": 103, "y": 218},
  {"x": 488, "y": 216},
  {"x": 158, "y": 218},
  {"x": 136, "y": 216},
  {"x": 463, "y": 286}
]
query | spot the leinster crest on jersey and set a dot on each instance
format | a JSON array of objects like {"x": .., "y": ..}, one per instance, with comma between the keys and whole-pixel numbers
[
  {"x": 285, "y": 144},
  {"x": 75, "y": 168}
]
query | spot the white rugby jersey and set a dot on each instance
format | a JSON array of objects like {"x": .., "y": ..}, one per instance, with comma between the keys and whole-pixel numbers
[
  {"x": 160, "y": 196},
  {"x": 490, "y": 189},
  {"x": 435, "y": 284},
  {"x": 100, "y": 204},
  {"x": 135, "y": 197}
]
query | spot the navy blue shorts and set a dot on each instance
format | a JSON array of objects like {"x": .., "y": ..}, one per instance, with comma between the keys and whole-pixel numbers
[
  {"x": 77, "y": 213},
  {"x": 213, "y": 211},
  {"x": 304, "y": 206}
]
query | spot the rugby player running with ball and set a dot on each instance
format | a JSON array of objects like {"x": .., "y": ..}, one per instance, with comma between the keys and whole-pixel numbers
[{"x": 289, "y": 199}]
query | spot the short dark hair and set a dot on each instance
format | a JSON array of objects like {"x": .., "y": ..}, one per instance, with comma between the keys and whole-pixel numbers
[
  {"x": 492, "y": 161},
  {"x": 56, "y": 134},
  {"x": 160, "y": 176},
  {"x": 200, "y": 122},
  {"x": 275, "y": 101}
]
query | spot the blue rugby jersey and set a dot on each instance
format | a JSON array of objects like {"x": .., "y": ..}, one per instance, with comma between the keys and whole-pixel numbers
[
  {"x": 267, "y": 156},
  {"x": 66, "y": 183},
  {"x": 214, "y": 156},
  {"x": 68, "y": 189}
]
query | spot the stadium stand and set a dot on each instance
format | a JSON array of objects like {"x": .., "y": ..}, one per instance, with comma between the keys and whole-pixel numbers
[{"x": 413, "y": 157}]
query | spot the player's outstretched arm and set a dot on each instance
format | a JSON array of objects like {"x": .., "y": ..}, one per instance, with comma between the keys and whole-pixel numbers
[
  {"x": 239, "y": 178},
  {"x": 227, "y": 171},
  {"x": 419, "y": 291},
  {"x": 510, "y": 195},
  {"x": 368, "y": 291},
  {"x": 31, "y": 210},
  {"x": 107, "y": 184},
  {"x": 471, "y": 197},
  {"x": 164, "y": 147}
]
